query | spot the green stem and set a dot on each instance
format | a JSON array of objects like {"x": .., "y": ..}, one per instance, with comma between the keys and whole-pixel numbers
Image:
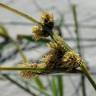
[
  {"x": 87, "y": 73},
  {"x": 60, "y": 85},
  {"x": 19, "y": 13},
  {"x": 78, "y": 45},
  {"x": 54, "y": 87},
  {"x": 20, "y": 68}
]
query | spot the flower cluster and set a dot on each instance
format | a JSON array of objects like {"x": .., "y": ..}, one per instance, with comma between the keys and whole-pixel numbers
[
  {"x": 61, "y": 56},
  {"x": 57, "y": 43},
  {"x": 46, "y": 26},
  {"x": 71, "y": 60},
  {"x": 36, "y": 69},
  {"x": 52, "y": 59}
]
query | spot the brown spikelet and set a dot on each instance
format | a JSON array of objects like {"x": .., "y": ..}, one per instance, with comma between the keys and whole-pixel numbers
[
  {"x": 47, "y": 24},
  {"x": 52, "y": 59},
  {"x": 71, "y": 60},
  {"x": 28, "y": 74},
  {"x": 37, "y": 30},
  {"x": 47, "y": 20}
]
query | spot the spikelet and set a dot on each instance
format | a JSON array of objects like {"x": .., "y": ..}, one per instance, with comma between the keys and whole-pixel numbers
[
  {"x": 58, "y": 44},
  {"x": 71, "y": 60},
  {"x": 37, "y": 69},
  {"x": 47, "y": 17},
  {"x": 28, "y": 74},
  {"x": 38, "y": 33},
  {"x": 52, "y": 59},
  {"x": 43, "y": 30},
  {"x": 49, "y": 59},
  {"x": 47, "y": 20}
]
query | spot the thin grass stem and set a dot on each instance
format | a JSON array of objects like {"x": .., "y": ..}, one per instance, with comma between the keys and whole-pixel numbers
[
  {"x": 87, "y": 73},
  {"x": 19, "y": 13}
]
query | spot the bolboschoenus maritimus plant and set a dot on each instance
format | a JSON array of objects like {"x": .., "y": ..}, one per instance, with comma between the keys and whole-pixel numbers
[{"x": 60, "y": 58}]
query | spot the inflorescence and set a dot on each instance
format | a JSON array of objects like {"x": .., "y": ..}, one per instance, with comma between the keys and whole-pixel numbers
[
  {"x": 46, "y": 26},
  {"x": 60, "y": 54}
]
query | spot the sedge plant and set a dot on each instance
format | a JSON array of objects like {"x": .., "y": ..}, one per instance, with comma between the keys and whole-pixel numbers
[{"x": 60, "y": 57}]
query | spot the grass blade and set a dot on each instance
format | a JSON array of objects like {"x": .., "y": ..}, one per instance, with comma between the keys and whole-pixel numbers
[
  {"x": 41, "y": 86},
  {"x": 31, "y": 39},
  {"x": 54, "y": 87},
  {"x": 19, "y": 13},
  {"x": 60, "y": 85},
  {"x": 78, "y": 46},
  {"x": 39, "y": 83}
]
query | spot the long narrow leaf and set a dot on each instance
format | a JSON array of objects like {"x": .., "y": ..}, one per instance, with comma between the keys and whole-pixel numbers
[
  {"x": 54, "y": 87},
  {"x": 39, "y": 83},
  {"x": 31, "y": 38},
  {"x": 19, "y": 13},
  {"x": 78, "y": 46},
  {"x": 60, "y": 85}
]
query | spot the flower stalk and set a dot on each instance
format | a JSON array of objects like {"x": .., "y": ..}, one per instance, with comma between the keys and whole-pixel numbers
[
  {"x": 19, "y": 13},
  {"x": 20, "y": 68},
  {"x": 88, "y": 75}
]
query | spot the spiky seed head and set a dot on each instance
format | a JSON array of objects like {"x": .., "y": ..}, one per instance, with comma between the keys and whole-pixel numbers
[
  {"x": 58, "y": 44},
  {"x": 49, "y": 59},
  {"x": 47, "y": 20},
  {"x": 52, "y": 59},
  {"x": 47, "y": 24},
  {"x": 71, "y": 60},
  {"x": 37, "y": 30},
  {"x": 47, "y": 17},
  {"x": 28, "y": 74}
]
